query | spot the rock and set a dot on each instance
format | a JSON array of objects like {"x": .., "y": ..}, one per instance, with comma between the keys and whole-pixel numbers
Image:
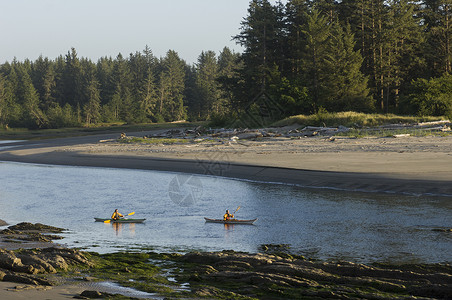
[
  {"x": 207, "y": 269},
  {"x": 69, "y": 255},
  {"x": 91, "y": 294},
  {"x": 2, "y": 275},
  {"x": 442, "y": 229},
  {"x": 233, "y": 265},
  {"x": 37, "y": 263},
  {"x": 58, "y": 262},
  {"x": 9, "y": 261},
  {"x": 89, "y": 278},
  {"x": 25, "y": 226},
  {"x": 250, "y": 274},
  {"x": 20, "y": 279},
  {"x": 3, "y": 223}
]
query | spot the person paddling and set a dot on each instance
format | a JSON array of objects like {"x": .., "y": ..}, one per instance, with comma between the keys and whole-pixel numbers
[
  {"x": 227, "y": 216},
  {"x": 116, "y": 215}
]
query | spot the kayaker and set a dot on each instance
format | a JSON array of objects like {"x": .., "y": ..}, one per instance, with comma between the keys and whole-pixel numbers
[
  {"x": 116, "y": 215},
  {"x": 227, "y": 216}
]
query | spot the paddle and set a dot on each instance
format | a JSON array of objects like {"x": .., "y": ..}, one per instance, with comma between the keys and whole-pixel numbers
[
  {"x": 108, "y": 221},
  {"x": 236, "y": 210}
]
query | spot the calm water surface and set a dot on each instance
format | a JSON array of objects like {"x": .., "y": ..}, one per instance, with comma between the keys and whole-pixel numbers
[{"x": 316, "y": 223}]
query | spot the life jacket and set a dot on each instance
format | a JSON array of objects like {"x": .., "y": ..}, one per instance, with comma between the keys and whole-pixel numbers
[
  {"x": 228, "y": 217},
  {"x": 116, "y": 215}
]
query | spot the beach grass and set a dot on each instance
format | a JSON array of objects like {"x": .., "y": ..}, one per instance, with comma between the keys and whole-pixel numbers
[
  {"x": 353, "y": 119},
  {"x": 366, "y": 132}
]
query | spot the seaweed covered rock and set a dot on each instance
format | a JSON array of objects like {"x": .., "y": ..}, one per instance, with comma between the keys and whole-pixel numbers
[{"x": 274, "y": 276}]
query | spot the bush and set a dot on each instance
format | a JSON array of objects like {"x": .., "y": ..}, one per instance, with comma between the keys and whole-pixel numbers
[
  {"x": 61, "y": 117},
  {"x": 432, "y": 97}
]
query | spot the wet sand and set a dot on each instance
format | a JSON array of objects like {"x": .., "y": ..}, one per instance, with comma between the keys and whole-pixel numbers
[
  {"x": 411, "y": 165},
  {"x": 17, "y": 291}
]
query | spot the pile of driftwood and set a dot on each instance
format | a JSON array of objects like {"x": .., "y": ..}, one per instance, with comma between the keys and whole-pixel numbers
[
  {"x": 429, "y": 126},
  {"x": 294, "y": 131},
  {"x": 438, "y": 126}
]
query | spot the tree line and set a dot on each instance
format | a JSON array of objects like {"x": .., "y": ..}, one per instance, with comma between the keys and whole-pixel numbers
[
  {"x": 387, "y": 56},
  {"x": 304, "y": 56},
  {"x": 73, "y": 91}
]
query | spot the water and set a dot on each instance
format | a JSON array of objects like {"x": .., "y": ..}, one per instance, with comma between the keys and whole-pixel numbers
[
  {"x": 8, "y": 142},
  {"x": 319, "y": 224}
]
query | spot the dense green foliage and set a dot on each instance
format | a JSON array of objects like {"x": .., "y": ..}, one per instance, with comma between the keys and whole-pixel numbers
[
  {"x": 300, "y": 57},
  {"x": 72, "y": 91}
]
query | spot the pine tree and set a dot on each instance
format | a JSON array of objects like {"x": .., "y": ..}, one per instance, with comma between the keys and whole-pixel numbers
[
  {"x": 345, "y": 85},
  {"x": 230, "y": 66},
  {"x": 147, "y": 105},
  {"x": 92, "y": 106},
  {"x": 143, "y": 84},
  {"x": 171, "y": 87},
  {"x": 327, "y": 8},
  {"x": 438, "y": 19},
  {"x": 261, "y": 37},
  {"x": 406, "y": 42},
  {"x": 296, "y": 12},
  {"x": 43, "y": 76},
  {"x": 121, "y": 81},
  {"x": 28, "y": 98},
  {"x": 207, "y": 85},
  {"x": 12, "y": 111},
  {"x": 72, "y": 79},
  {"x": 104, "y": 75},
  {"x": 3, "y": 108},
  {"x": 317, "y": 32}
]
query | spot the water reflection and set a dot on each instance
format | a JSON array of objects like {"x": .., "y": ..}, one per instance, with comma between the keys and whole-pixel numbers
[
  {"x": 229, "y": 226},
  {"x": 118, "y": 228}
]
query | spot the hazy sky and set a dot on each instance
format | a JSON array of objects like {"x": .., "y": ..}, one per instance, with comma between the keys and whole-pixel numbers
[{"x": 97, "y": 28}]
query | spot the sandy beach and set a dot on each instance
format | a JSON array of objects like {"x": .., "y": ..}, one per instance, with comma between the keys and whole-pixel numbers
[
  {"x": 16, "y": 291},
  {"x": 411, "y": 165}
]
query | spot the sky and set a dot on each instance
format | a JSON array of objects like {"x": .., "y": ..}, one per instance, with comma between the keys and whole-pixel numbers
[{"x": 98, "y": 28}]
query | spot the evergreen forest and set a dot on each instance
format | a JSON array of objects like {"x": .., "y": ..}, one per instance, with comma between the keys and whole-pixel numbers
[{"x": 304, "y": 56}]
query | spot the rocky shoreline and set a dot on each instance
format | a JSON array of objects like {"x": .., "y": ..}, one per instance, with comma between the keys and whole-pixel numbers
[{"x": 273, "y": 274}]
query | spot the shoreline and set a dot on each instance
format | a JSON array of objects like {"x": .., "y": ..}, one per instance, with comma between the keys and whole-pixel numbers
[
  {"x": 340, "y": 181},
  {"x": 411, "y": 166}
]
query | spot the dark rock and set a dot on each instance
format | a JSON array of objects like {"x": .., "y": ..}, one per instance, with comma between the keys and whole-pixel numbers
[
  {"x": 251, "y": 273},
  {"x": 91, "y": 294},
  {"x": 87, "y": 294},
  {"x": 20, "y": 279},
  {"x": 442, "y": 229},
  {"x": 36, "y": 227}
]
